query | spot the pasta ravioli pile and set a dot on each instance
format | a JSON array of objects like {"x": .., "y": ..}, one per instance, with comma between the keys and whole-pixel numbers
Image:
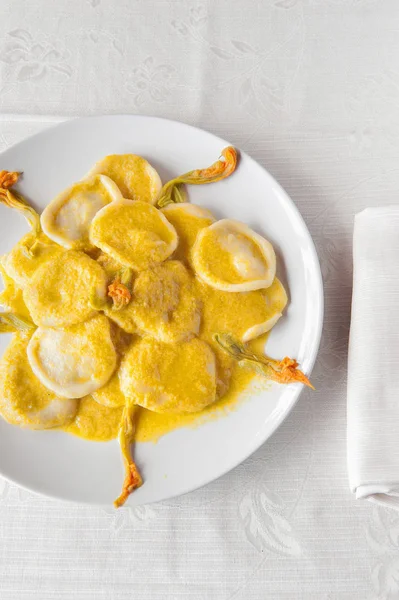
[{"x": 125, "y": 297}]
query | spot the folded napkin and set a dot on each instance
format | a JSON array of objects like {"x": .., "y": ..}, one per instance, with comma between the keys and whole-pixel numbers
[{"x": 373, "y": 363}]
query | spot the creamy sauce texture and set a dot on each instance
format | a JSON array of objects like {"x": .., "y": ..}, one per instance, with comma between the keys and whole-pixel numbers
[
  {"x": 170, "y": 360},
  {"x": 134, "y": 176},
  {"x": 220, "y": 311},
  {"x": 95, "y": 422},
  {"x": 133, "y": 233}
]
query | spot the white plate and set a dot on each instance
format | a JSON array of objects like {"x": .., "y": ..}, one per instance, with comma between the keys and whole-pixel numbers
[{"x": 66, "y": 467}]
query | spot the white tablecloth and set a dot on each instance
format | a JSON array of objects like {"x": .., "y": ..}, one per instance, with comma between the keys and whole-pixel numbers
[{"x": 311, "y": 90}]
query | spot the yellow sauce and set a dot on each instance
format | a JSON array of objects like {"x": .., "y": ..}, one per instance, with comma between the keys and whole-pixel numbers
[
  {"x": 21, "y": 265},
  {"x": 220, "y": 312},
  {"x": 231, "y": 258},
  {"x": 151, "y": 426},
  {"x": 99, "y": 423},
  {"x": 132, "y": 174},
  {"x": 138, "y": 235},
  {"x": 61, "y": 292},
  {"x": 164, "y": 304},
  {"x": 137, "y": 359},
  {"x": 169, "y": 378},
  {"x": 238, "y": 312},
  {"x": 188, "y": 220},
  {"x": 95, "y": 422},
  {"x": 110, "y": 394},
  {"x": 24, "y": 400},
  {"x": 11, "y": 297},
  {"x": 135, "y": 234}
]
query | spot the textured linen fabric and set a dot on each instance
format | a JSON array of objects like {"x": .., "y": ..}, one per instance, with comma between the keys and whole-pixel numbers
[
  {"x": 373, "y": 376},
  {"x": 310, "y": 89}
]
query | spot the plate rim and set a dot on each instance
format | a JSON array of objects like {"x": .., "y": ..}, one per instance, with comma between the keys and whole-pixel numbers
[{"x": 288, "y": 202}]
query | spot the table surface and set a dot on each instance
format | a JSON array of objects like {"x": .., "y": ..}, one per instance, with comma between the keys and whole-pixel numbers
[{"x": 310, "y": 89}]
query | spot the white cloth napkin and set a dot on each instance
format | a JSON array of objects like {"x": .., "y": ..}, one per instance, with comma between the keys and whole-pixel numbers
[{"x": 373, "y": 364}]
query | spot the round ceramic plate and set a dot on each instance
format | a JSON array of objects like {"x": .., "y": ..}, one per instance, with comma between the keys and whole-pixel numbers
[{"x": 66, "y": 467}]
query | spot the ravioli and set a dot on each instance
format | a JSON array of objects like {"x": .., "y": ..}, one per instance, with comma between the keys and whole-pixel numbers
[
  {"x": 24, "y": 400},
  {"x": 20, "y": 264},
  {"x": 110, "y": 265},
  {"x": 11, "y": 297},
  {"x": 164, "y": 304},
  {"x": 188, "y": 219},
  {"x": 110, "y": 394},
  {"x": 134, "y": 176},
  {"x": 95, "y": 422},
  {"x": 139, "y": 310},
  {"x": 62, "y": 291},
  {"x": 245, "y": 315},
  {"x": 73, "y": 362},
  {"x": 67, "y": 218},
  {"x": 168, "y": 378},
  {"x": 133, "y": 233},
  {"x": 229, "y": 256}
]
